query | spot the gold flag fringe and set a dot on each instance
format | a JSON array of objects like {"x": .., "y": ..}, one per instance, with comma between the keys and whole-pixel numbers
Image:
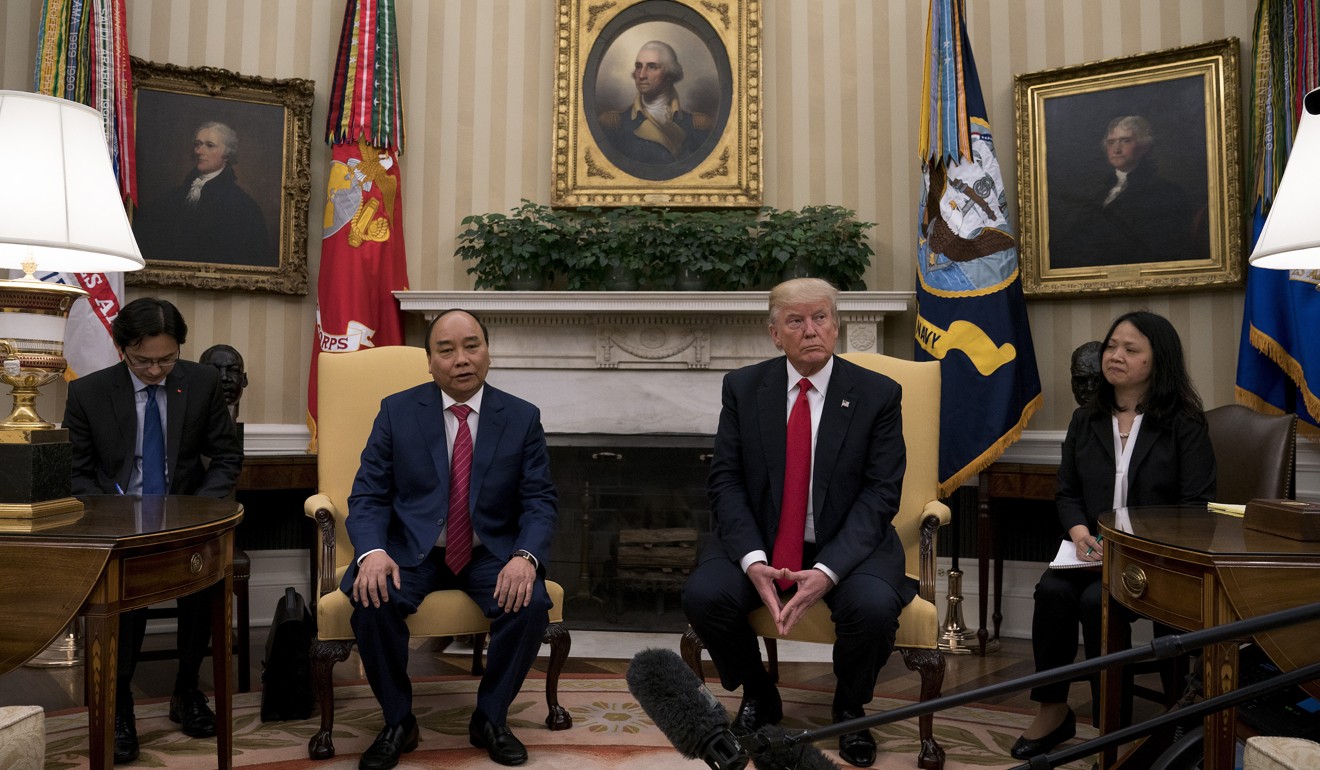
[
  {"x": 1275, "y": 352},
  {"x": 994, "y": 451}
]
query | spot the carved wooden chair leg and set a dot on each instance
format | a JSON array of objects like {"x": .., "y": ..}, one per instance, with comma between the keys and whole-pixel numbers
[
  {"x": 324, "y": 657},
  {"x": 930, "y": 665},
  {"x": 690, "y": 647},
  {"x": 560, "y": 643}
]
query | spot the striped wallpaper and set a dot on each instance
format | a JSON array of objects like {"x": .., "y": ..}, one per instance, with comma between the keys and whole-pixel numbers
[{"x": 842, "y": 84}]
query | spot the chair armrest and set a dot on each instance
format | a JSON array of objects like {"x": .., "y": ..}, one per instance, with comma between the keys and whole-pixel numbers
[
  {"x": 320, "y": 509},
  {"x": 934, "y": 515}
]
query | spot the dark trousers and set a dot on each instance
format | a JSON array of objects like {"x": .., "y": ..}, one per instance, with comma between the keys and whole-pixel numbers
[
  {"x": 193, "y": 640},
  {"x": 865, "y": 609},
  {"x": 515, "y": 637},
  {"x": 1065, "y": 598}
]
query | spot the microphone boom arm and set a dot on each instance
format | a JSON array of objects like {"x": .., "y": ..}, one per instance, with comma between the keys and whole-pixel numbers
[{"x": 1161, "y": 648}]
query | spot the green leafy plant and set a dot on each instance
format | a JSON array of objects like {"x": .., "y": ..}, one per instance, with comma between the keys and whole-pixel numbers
[
  {"x": 526, "y": 244},
  {"x": 629, "y": 247},
  {"x": 821, "y": 241}
]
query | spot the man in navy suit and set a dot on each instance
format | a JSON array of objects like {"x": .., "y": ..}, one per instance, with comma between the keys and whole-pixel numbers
[
  {"x": 107, "y": 418},
  {"x": 844, "y": 550},
  {"x": 405, "y": 521}
]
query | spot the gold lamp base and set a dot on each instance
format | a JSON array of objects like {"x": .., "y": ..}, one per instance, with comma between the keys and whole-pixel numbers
[{"x": 36, "y": 456}]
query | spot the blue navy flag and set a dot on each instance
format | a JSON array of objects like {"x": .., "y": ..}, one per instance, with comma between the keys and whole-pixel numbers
[
  {"x": 1278, "y": 367},
  {"x": 971, "y": 315}
]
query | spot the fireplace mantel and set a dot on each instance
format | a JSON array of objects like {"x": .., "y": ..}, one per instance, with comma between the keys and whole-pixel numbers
[
  {"x": 646, "y": 327},
  {"x": 626, "y": 362}
]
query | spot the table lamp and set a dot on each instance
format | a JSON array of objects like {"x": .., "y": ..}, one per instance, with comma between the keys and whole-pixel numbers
[
  {"x": 59, "y": 212},
  {"x": 1290, "y": 239}
]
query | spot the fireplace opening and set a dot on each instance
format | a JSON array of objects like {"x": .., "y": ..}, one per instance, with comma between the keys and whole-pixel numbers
[{"x": 633, "y": 516}]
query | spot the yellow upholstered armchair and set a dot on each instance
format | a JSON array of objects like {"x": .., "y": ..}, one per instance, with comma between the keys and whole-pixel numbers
[
  {"x": 920, "y": 515},
  {"x": 350, "y": 387}
]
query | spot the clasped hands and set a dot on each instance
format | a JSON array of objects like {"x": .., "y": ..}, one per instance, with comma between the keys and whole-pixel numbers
[
  {"x": 811, "y": 585},
  {"x": 513, "y": 586}
]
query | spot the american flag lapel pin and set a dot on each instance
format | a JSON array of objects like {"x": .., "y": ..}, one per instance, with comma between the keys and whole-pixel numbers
[{"x": 844, "y": 404}]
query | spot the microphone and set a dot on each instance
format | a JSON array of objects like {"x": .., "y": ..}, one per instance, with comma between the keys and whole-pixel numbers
[
  {"x": 684, "y": 710},
  {"x": 697, "y": 725}
]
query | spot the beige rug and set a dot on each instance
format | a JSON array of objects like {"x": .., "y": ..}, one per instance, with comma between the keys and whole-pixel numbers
[{"x": 609, "y": 731}]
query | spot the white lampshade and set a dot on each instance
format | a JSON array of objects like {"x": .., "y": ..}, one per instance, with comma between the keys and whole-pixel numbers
[
  {"x": 60, "y": 204},
  {"x": 1291, "y": 237}
]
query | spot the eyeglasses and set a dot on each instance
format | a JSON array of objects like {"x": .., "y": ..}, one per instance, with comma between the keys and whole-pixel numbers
[{"x": 143, "y": 364}]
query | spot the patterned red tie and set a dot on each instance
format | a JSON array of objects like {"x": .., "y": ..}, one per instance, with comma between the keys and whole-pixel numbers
[
  {"x": 797, "y": 483},
  {"x": 458, "y": 527}
]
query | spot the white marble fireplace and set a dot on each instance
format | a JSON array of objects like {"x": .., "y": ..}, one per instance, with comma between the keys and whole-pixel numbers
[{"x": 635, "y": 363}]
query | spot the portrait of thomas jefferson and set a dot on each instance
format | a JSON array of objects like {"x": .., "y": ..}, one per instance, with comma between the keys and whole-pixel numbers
[{"x": 1128, "y": 176}]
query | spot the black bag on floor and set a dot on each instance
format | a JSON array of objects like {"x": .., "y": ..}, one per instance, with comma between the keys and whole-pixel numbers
[{"x": 286, "y": 671}]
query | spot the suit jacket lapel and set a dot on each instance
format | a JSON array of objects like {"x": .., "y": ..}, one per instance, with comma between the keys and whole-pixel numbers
[
  {"x": 1103, "y": 428},
  {"x": 123, "y": 408},
  {"x": 1146, "y": 438},
  {"x": 431, "y": 421},
  {"x": 177, "y": 394},
  {"x": 490, "y": 431},
  {"x": 771, "y": 406},
  {"x": 834, "y": 419}
]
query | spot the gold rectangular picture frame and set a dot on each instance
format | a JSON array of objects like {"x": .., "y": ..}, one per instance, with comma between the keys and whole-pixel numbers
[
  {"x": 658, "y": 102},
  {"x": 224, "y": 179},
  {"x": 1171, "y": 122}
]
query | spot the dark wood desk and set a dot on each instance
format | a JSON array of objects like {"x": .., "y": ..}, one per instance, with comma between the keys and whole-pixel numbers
[
  {"x": 1193, "y": 569},
  {"x": 999, "y": 482},
  {"x": 123, "y": 553}
]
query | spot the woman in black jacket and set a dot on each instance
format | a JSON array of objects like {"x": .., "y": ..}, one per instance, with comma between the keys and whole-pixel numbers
[{"x": 1141, "y": 441}]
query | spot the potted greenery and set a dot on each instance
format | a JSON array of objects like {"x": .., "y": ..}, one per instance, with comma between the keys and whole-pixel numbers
[
  {"x": 713, "y": 249},
  {"x": 627, "y": 247},
  {"x": 522, "y": 250},
  {"x": 821, "y": 241}
]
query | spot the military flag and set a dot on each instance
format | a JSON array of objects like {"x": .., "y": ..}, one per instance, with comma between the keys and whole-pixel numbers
[
  {"x": 82, "y": 56},
  {"x": 971, "y": 315},
  {"x": 362, "y": 254},
  {"x": 1278, "y": 369}
]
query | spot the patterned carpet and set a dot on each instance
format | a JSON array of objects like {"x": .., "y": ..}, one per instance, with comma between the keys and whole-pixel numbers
[{"x": 610, "y": 731}]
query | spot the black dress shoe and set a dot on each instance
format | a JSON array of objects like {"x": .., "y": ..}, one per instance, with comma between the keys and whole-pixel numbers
[
  {"x": 392, "y": 741},
  {"x": 498, "y": 741},
  {"x": 126, "y": 742},
  {"x": 756, "y": 712},
  {"x": 1026, "y": 748},
  {"x": 190, "y": 710},
  {"x": 855, "y": 748}
]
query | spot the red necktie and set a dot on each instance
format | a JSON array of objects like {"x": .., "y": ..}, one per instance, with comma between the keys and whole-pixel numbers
[
  {"x": 797, "y": 483},
  {"x": 458, "y": 527}
]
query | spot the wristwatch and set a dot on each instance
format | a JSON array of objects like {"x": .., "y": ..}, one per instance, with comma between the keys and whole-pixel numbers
[{"x": 526, "y": 554}]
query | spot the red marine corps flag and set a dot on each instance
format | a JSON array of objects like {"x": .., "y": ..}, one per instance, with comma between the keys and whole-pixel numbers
[{"x": 362, "y": 256}]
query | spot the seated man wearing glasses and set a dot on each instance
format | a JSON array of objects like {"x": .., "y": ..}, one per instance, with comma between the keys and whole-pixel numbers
[{"x": 143, "y": 427}]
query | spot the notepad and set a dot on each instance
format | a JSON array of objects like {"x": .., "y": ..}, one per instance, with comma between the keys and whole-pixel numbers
[
  {"x": 1227, "y": 508},
  {"x": 1066, "y": 558}
]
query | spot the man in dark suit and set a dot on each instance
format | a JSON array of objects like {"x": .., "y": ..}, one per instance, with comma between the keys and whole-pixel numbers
[
  {"x": 804, "y": 485},
  {"x": 486, "y": 531},
  {"x": 112, "y": 416}
]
